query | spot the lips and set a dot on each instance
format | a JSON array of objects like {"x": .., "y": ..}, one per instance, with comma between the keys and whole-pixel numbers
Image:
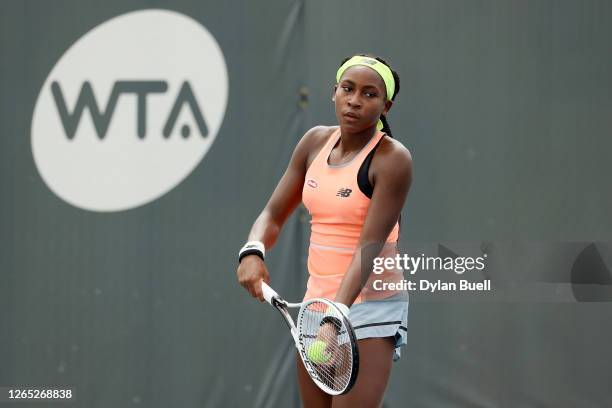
[{"x": 351, "y": 115}]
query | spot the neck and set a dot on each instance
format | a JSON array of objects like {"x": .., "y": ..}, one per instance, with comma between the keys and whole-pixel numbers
[{"x": 354, "y": 141}]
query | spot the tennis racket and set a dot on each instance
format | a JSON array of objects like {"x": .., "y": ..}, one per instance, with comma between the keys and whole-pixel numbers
[{"x": 325, "y": 341}]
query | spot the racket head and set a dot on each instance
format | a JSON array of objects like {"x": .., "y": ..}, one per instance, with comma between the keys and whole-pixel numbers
[{"x": 334, "y": 366}]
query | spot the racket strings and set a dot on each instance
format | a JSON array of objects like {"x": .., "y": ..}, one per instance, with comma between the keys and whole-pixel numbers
[{"x": 327, "y": 344}]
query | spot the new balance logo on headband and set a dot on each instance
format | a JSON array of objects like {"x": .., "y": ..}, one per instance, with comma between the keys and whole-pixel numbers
[
  {"x": 369, "y": 61},
  {"x": 344, "y": 192}
]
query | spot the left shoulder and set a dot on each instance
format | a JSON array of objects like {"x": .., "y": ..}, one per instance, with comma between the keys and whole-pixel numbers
[{"x": 392, "y": 156}]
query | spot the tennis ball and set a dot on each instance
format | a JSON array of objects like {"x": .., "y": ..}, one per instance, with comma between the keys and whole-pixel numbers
[{"x": 316, "y": 352}]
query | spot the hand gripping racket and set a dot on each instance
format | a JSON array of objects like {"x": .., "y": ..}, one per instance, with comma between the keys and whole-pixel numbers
[{"x": 325, "y": 341}]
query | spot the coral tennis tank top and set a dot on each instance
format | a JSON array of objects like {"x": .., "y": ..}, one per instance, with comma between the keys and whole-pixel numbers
[{"x": 338, "y": 207}]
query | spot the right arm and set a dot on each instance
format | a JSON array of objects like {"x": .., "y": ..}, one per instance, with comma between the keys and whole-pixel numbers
[{"x": 286, "y": 197}]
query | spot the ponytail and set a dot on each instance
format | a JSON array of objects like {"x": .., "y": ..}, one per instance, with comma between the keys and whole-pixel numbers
[{"x": 386, "y": 129}]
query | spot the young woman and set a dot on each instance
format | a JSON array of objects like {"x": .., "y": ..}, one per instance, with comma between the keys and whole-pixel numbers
[{"x": 353, "y": 179}]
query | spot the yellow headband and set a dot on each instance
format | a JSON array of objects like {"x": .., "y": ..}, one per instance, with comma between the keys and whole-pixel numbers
[{"x": 383, "y": 70}]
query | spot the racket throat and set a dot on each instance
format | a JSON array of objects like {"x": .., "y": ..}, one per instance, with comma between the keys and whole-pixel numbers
[{"x": 281, "y": 307}]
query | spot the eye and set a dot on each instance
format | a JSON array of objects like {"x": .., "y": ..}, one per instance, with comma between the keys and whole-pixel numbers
[
  {"x": 371, "y": 94},
  {"x": 346, "y": 88}
]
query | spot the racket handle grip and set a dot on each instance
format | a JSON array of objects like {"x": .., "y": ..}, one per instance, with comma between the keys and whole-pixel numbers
[{"x": 268, "y": 292}]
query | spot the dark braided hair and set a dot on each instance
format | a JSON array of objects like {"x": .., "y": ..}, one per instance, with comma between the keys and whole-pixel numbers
[{"x": 386, "y": 129}]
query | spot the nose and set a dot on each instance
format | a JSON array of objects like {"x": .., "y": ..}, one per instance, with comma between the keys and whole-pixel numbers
[{"x": 354, "y": 101}]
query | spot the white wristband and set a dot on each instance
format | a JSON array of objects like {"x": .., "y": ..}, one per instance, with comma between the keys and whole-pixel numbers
[
  {"x": 252, "y": 248},
  {"x": 343, "y": 308}
]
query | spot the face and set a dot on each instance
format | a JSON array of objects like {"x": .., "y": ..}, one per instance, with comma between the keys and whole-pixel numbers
[{"x": 360, "y": 98}]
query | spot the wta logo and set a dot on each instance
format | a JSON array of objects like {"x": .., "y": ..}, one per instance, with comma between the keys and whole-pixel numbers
[{"x": 129, "y": 110}]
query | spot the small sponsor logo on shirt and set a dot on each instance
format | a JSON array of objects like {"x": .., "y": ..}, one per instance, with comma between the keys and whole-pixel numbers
[
  {"x": 344, "y": 192},
  {"x": 312, "y": 183}
]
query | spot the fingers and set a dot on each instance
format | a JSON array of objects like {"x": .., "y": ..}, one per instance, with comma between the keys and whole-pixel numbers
[
  {"x": 265, "y": 278},
  {"x": 249, "y": 287},
  {"x": 250, "y": 273},
  {"x": 258, "y": 291},
  {"x": 254, "y": 288},
  {"x": 246, "y": 284}
]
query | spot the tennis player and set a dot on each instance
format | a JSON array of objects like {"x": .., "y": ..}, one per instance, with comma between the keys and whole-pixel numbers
[{"x": 353, "y": 179}]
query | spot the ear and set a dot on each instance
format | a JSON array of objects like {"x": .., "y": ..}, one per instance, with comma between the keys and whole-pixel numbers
[
  {"x": 334, "y": 93},
  {"x": 388, "y": 105}
]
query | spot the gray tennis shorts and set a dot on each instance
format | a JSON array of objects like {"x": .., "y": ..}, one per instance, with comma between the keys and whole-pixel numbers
[{"x": 382, "y": 318}]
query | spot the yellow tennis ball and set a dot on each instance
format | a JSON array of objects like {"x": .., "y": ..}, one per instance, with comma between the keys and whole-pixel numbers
[{"x": 316, "y": 352}]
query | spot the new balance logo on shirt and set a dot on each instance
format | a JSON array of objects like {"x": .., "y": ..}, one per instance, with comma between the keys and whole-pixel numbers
[{"x": 344, "y": 192}]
